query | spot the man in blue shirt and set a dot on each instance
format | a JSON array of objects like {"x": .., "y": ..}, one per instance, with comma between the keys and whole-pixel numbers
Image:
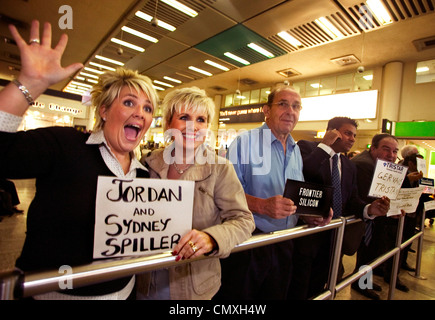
[{"x": 264, "y": 158}]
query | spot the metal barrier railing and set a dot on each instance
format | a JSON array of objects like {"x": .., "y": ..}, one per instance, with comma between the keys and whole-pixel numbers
[
  {"x": 334, "y": 288},
  {"x": 16, "y": 285}
]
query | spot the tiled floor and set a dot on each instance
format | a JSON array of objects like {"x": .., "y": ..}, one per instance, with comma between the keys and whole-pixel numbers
[{"x": 12, "y": 234}]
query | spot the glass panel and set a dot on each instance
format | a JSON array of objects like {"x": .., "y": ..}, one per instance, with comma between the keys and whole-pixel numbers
[
  {"x": 312, "y": 88},
  {"x": 255, "y": 96},
  {"x": 228, "y": 100},
  {"x": 363, "y": 81},
  {"x": 246, "y": 95},
  {"x": 327, "y": 86},
  {"x": 300, "y": 87},
  {"x": 264, "y": 94},
  {"x": 344, "y": 83},
  {"x": 425, "y": 71}
]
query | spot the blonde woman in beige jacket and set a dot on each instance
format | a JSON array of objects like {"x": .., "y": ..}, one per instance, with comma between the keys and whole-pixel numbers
[{"x": 221, "y": 218}]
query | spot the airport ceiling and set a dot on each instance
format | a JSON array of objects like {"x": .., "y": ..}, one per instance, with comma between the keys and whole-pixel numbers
[{"x": 222, "y": 26}]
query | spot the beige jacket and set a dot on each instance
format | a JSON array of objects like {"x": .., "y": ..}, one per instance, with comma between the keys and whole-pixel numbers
[{"x": 219, "y": 209}]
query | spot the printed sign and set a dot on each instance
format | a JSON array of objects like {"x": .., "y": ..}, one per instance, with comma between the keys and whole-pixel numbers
[
  {"x": 387, "y": 179},
  {"x": 428, "y": 185},
  {"x": 310, "y": 198},
  {"x": 141, "y": 216},
  {"x": 407, "y": 200}
]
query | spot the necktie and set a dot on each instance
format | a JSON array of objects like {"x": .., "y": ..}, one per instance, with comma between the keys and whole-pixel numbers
[
  {"x": 336, "y": 184},
  {"x": 368, "y": 232}
]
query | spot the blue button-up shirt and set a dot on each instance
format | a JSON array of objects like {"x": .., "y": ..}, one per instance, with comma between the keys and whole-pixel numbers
[{"x": 263, "y": 169}]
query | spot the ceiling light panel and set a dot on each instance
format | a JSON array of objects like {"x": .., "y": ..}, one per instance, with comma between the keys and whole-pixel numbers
[
  {"x": 216, "y": 65},
  {"x": 236, "y": 58},
  {"x": 326, "y": 25},
  {"x": 200, "y": 71},
  {"x": 261, "y": 50},
  {"x": 166, "y": 13},
  {"x": 181, "y": 7},
  {"x": 127, "y": 44},
  {"x": 139, "y": 34},
  {"x": 93, "y": 70},
  {"x": 375, "y": 14},
  {"x": 119, "y": 63},
  {"x": 160, "y": 22},
  {"x": 231, "y": 46},
  {"x": 379, "y": 11},
  {"x": 163, "y": 83},
  {"x": 172, "y": 79},
  {"x": 101, "y": 66},
  {"x": 290, "y": 39}
]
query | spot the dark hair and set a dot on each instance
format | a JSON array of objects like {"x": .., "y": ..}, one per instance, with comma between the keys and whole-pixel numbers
[
  {"x": 377, "y": 138},
  {"x": 412, "y": 158},
  {"x": 337, "y": 122}
]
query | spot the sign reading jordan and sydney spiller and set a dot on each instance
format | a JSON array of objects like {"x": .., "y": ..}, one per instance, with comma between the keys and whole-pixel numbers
[{"x": 141, "y": 216}]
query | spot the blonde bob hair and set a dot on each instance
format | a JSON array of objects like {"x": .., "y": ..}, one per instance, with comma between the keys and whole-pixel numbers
[
  {"x": 193, "y": 99},
  {"x": 110, "y": 85}
]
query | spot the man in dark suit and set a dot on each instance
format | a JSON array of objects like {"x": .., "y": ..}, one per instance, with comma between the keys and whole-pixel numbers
[
  {"x": 312, "y": 253},
  {"x": 382, "y": 237}
]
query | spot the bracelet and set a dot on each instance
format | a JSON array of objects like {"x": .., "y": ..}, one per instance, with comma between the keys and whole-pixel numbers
[{"x": 24, "y": 90}]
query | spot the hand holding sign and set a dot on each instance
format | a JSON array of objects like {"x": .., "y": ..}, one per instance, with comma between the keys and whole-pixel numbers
[
  {"x": 387, "y": 179},
  {"x": 314, "y": 221},
  {"x": 406, "y": 202},
  {"x": 379, "y": 207},
  {"x": 310, "y": 198},
  {"x": 278, "y": 207}
]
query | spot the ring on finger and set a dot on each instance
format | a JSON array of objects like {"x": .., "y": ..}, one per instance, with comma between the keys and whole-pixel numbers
[
  {"x": 193, "y": 246},
  {"x": 34, "y": 41}
]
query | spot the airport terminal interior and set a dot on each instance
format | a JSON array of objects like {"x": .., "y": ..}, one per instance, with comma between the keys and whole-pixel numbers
[{"x": 373, "y": 61}]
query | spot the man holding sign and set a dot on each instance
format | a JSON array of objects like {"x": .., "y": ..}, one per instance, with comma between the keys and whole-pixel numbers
[
  {"x": 312, "y": 253},
  {"x": 378, "y": 232}
]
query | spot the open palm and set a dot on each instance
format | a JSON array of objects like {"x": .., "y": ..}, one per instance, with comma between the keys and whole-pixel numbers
[{"x": 39, "y": 62}]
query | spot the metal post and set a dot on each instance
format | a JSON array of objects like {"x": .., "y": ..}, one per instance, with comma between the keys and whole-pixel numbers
[
  {"x": 396, "y": 259},
  {"x": 8, "y": 285},
  {"x": 419, "y": 250},
  {"x": 336, "y": 259}
]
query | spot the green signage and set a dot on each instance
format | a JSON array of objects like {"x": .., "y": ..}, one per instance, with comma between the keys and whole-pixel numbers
[{"x": 415, "y": 129}]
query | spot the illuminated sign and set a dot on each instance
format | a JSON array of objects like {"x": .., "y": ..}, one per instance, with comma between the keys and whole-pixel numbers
[
  {"x": 56, "y": 107},
  {"x": 355, "y": 105},
  {"x": 242, "y": 114}
]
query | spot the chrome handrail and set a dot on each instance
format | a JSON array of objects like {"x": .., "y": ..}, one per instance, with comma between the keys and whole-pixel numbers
[
  {"x": 15, "y": 285},
  {"x": 36, "y": 282}
]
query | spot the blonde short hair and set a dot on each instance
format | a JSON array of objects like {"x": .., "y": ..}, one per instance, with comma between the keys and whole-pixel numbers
[
  {"x": 193, "y": 99},
  {"x": 110, "y": 85}
]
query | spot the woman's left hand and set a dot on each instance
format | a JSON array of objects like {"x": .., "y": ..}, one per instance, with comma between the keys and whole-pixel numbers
[{"x": 194, "y": 244}]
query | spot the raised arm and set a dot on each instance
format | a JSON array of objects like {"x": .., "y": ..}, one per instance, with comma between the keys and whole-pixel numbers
[{"x": 40, "y": 68}]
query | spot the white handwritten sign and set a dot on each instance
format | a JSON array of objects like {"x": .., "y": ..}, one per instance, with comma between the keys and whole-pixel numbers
[
  {"x": 387, "y": 179},
  {"x": 406, "y": 200},
  {"x": 421, "y": 166},
  {"x": 141, "y": 216}
]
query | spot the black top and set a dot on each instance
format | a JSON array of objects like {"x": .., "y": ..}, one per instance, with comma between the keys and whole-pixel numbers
[{"x": 61, "y": 217}]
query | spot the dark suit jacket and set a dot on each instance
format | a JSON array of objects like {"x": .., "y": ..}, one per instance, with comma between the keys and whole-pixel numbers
[
  {"x": 317, "y": 169},
  {"x": 365, "y": 169}
]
